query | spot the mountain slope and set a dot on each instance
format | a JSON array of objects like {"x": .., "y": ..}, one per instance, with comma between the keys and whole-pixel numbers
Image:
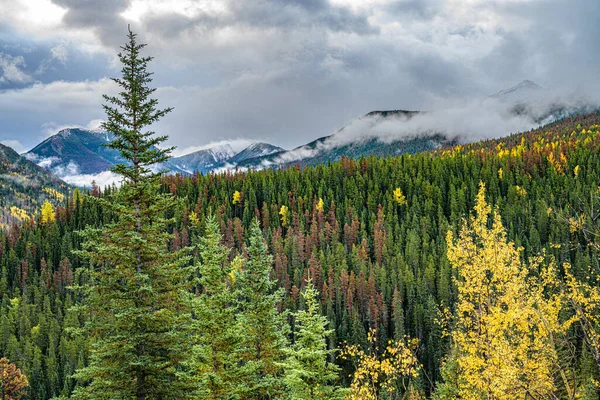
[
  {"x": 75, "y": 151},
  {"x": 376, "y": 133},
  {"x": 255, "y": 150},
  {"x": 24, "y": 187},
  {"x": 200, "y": 161},
  {"x": 541, "y": 105}
]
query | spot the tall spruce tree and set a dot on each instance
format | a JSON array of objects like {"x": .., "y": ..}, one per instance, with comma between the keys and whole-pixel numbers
[
  {"x": 264, "y": 327},
  {"x": 216, "y": 333},
  {"x": 308, "y": 373},
  {"x": 139, "y": 317}
]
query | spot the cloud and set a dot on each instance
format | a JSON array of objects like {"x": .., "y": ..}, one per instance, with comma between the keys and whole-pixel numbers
[
  {"x": 288, "y": 72},
  {"x": 468, "y": 122},
  {"x": 103, "y": 179},
  {"x": 15, "y": 145},
  {"x": 60, "y": 53},
  {"x": 71, "y": 174},
  {"x": 12, "y": 69}
]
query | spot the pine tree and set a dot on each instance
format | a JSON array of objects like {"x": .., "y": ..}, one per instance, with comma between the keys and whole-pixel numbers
[
  {"x": 264, "y": 327},
  {"x": 138, "y": 314},
  {"x": 216, "y": 333},
  {"x": 308, "y": 373}
]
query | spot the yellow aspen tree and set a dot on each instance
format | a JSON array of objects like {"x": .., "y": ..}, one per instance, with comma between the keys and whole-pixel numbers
[
  {"x": 502, "y": 348},
  {"x": 47, "y": 213},
  {"x": 379, "y": 374},
  {"x": 237, "y": 197},
  {"x": 320, "y": 205},
  {"x": 584, "y": 299},
  {"x": 399, "y": 197},
  {"x": 284, "y": 212}
]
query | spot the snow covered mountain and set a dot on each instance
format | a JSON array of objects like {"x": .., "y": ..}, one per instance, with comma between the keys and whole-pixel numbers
[
  {"x": 75, "y": 151},
  {"x": 200, "y": 161},
  {"x": 255, "y": 150},
  {"x": 77, "y": 155}
]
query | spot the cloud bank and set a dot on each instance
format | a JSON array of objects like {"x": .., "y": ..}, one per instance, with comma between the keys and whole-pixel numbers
[{"x": 287, "y": 72}]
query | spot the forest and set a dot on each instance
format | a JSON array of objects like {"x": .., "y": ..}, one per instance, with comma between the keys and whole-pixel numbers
[{"x": 464, "y": 273}]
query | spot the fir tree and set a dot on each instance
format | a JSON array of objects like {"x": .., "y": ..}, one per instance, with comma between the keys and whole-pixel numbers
[
  {"x": 138, "y": 315},
  {"x": 308, "y": 374},
  {"x": 216, "y": 332},
  {"x": 264, "y": 327}
]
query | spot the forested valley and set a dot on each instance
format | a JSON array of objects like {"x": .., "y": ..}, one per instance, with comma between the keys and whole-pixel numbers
[{"x": 465, "y": 273}]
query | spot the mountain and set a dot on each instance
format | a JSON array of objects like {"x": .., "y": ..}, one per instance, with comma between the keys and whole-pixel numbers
[
  {"x": 75, "y": 151},
  {"x": 200, "y": 161},
  {"x": 524, "y": 92},
  {"x": 541, "y": 105},
  {"x": 378, "y": 133},
  {"x": 24, "y": 187},
  {"x": 255, "y": 150}
]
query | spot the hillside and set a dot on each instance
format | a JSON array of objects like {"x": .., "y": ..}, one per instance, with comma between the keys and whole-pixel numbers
[
  {"x": 24, "y": 187},
  {"x": 377, "y": 260},
  {"x": 374, "y": 134}
]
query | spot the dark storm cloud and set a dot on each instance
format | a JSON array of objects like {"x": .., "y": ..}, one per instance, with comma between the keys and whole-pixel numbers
[
  {"x": 101, "y": 15},
  {"x": 284, "y": 16}
]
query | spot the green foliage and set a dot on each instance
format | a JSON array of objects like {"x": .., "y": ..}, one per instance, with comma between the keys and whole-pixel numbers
[
  {"x": 138, "y": 318},
  {"x": 376, "y": 265},
  {"x": 308, "y": 372},
  {"x": 264, "y": 327},
  {"x": 216, "y": 334}
]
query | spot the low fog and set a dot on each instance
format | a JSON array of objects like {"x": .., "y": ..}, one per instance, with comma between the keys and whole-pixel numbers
[{"x": 495, "y": 116}]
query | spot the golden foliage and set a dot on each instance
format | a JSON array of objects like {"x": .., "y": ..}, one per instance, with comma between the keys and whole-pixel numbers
[
  {"x": 194, "y": 220},
  {"x": 237, "y": 197},
  {"x": 19, "y": 213},
  {"x": 584, "y": 299},
  {"x": 55, "y": 194},
  {"x": 378, "y": 373},
  {"x": 503, "y": 346},
  {"x": 320, "y": 205},
  {"x": 284, "y": 212},
  {"x": 399, "y": 197},
  {"x": 48, "y": 214}
]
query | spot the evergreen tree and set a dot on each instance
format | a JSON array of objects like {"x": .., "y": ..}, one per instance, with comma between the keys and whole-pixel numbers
[
  {"x": 138, "y": 315},
  {"x": 308, "y": 373},
  {"x": 263, "y": 325},
  {"x": 216, "y": 333}
]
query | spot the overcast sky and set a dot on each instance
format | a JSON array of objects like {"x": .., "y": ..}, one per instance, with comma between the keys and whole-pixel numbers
[{"x": 283, "y": 71}]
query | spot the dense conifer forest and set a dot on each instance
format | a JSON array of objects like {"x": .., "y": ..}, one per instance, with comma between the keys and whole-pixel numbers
[
  {"x": 376, "y": 256},
  {"x": 469, "y": 272}
]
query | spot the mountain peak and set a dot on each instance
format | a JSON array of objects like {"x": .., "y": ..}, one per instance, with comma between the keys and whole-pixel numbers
[
  {"x": 222, "y": 152},
  {"x": 528, "y": 84},
  {"x": 523, "y": 92}
]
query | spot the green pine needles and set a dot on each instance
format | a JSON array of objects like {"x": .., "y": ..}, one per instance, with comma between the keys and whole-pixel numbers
[
  {"x": 308, "y": 373},
  {"x": 138, "y": 311}
]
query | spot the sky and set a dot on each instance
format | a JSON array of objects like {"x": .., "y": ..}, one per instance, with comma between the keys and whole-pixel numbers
[{"x": 283, "y": 71}]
